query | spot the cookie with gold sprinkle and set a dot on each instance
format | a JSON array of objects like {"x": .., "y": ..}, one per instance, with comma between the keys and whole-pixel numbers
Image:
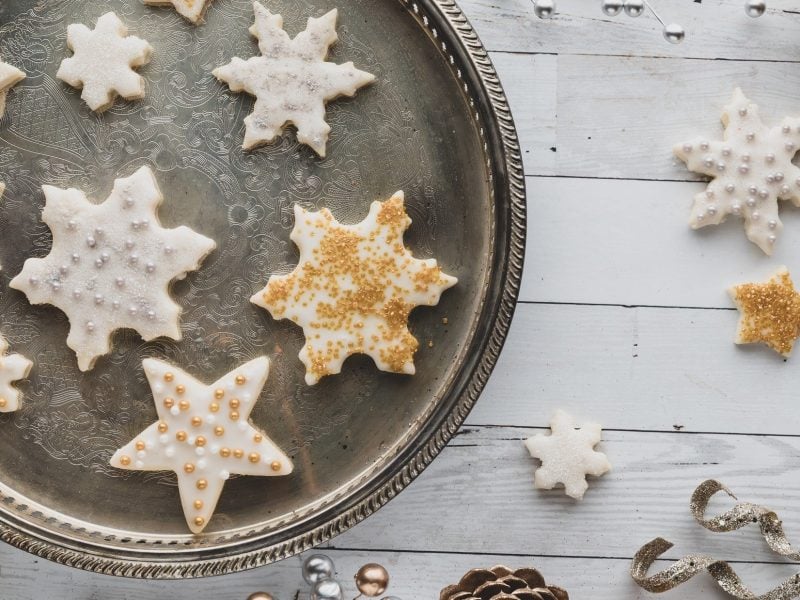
[
  {"x": 13, "y": 367},
  {"x": 353, "y": 289},
  {"x": 203, "y": 434},
  {"x": 770, "y": 312}
]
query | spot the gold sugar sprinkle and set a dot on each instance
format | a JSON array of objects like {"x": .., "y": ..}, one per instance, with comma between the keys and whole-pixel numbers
[
  {"x": 168, "y": 376},
  {"x": 219, "y": 393},
  {"x": 202, "y": 484},
  {"x": 125, "y": 460},
  {"x": 254, "y": 457},
  {"x": 180, "y": 389},
  {"x": 240, "y": 379},
  {"x": 188, "y": 467},
  {"x": 275, "y": 466}
]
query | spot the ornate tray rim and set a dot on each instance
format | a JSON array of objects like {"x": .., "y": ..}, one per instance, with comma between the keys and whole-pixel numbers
[{"x": 457, "y": 40}]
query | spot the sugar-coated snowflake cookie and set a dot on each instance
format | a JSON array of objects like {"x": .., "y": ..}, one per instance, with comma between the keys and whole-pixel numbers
[
  {"x": 9, "y": 77},
  {"x": 191, "y": 10},
  {"x": 567, "y": 455},
  {"x": 291, "y": 80},
  {"x": 111, "y": 264},
  {"x": 13, "y": 367},
  {"x": 353, "y": 289},
  {"x": 102, "y": 62},
  {"x": 752, "y": 169},
  {"x": 769, "y": 312},
  {"x": 204, "y": 435}
]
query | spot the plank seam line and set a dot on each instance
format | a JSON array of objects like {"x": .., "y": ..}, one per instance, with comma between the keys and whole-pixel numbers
[
  {"x": 624, "y": 430},
  {"x": 615, "y": 305},
  {"x": 644, "y": 56}
]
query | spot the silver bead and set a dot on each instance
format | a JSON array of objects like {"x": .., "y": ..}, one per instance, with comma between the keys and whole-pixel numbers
[
  {"x": 90, "y": 326},
  {"x": 711, "y": 210},
  {"x": 674, "y": 33},
  {"x": 789, "y": 146},
  {"x": 150, "y": 267},
  {"x": 753, "y": 190},
  {"x": 763, "y": 194},
  {"x": 772, "y": 224},
  {"x": 317, "y": 567},
  {"x": 76, "y": 294},
  {"x": 770, "y": 158},
  {"x": 704, "y": 146},
  {"x": 779, "y": 176},
  {"x": 611, "y": 7},
  {"x": 145, "y": 223},
  {"x": 744, "y": 169},
  {"x": 726, "y": 151},
  {"x": 785, "y": 190},
  {"x": 736, "y": 209},
  {"x": 34, "y": 281},
  {"x": 786, "y": 129},
  {"x": 730, "y": 188},
  {"x": 751, "y": 202},
  {"x": 128, "y": 201},
  {"x": 135, "y": 224},
  {"x": 771, "y": 239},
  {"x": 76, "y": 258},
  {"x": 151, "y": 314},
  {"x": 133, "y": 259},
  {"x": 98, "y": 231},
  {"x": 633, "y": 8},
  {"x": 132, "y": 310},
  {"x": 72, "y": 225},
  {"x": 120, "y": 282},
  {"x": 327, "y": 589},
  {"x": 755, "y": 8},
  {"x": 743, "y": 112},
  {"x": 98, "y": 299},
  {"x": 755, "y": 216},
  {"x": 168, "y": 249},
  {"x": 745, "y": 158},
  {"x": 687, "y": 148},
  {"x": 720, "y": 166},
  {"x": 710, "y": 194},
  {"x": 91, "y": 242},
  {"x": 750, "y": 136},
  {"x": 115, "y": 304},
  {"x": 708, "y": 161},
  {"x": 770, "y": 178},
  {"x": 55, "y": 285},
  {"x": 544, "y": 9},
  {"x": 105, "y": 256},
  {"x": 63, "y": 269},
  {"x": 98, "y": 262}
]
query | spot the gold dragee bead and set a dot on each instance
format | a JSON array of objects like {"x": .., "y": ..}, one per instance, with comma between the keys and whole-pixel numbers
[
  {"x": 254, "y": 457},
  {"x": 162, "y": 427},
  {"x": 202, "y": 484},
  {"x": 214, "y": 407},
  {"x": 200, "y": 441},
  {"x": 197, "y": 421},
  {"x": 276, "y": 465},
  {"x": 180, "y": 389},
  {"x": 257, "y": 438},
  {"x": 240, "y": 380},
  {"x": 198, "y": 504},
  {"x": 234, "y": 403},
  {"x": 168, "y": 376},
  {"x": 238, "y": 453},
  {"x": 181, "y": 436},
  {"x": 140, "y": 445},
  {"x": 199, "y": 521},
  {"x": 125, "y": 460},
  {"x": 169, "y": 402},
  {"x": 224, "y": 452},
  {"x": 234, "y": 415},
  {"x": 188, "y": 467},
  {"x": 3, "y": 402},
  {"x": 183, "y": 405},
  {"x": 219, "y": 430},
  {"x": 219, "y": 393}
]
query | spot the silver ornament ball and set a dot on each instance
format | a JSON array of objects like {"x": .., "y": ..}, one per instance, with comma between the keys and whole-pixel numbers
[
  {"x": 633, "y": 8},
  {"x": 317, "y": 567},
  {"x": 327, "y": 589},
  {"x": 755, "y": 8},
  {"x": 674, "y": 33},
  {"x": 611, "y": 7},
  {"x": 544, "y": 9}
]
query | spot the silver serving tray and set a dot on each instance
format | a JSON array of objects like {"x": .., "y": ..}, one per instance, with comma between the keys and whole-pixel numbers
[{"x": 436, "y": 124}]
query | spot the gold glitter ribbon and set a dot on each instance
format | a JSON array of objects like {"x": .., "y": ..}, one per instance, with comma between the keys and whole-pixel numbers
[{"x": 739, "y": 516}]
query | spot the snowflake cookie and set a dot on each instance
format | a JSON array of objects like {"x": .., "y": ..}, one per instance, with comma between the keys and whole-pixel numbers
[
  {"x": 191, "y": 10},
  {"x": 102, "y": 62},
  {"x": 567, "y": 455},
  {"x": 353, "y": 289},
  {"x": 752, "y": 169},
  {"x": 291, "y": 80},
  {"x": 770, "y": 312},
  {"x": 12, "y": 368},
  {"x": 9, "y": 77},
  {"x": 204, "y": 435},
  {"x": 111, "y": 264}
]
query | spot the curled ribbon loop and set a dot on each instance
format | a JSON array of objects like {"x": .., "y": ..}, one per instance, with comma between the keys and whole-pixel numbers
[{"x": 687, "y": 567}]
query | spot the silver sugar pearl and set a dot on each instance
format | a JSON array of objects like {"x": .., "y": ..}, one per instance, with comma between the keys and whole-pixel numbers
[
  {"x": 771, "y": 239},
  {"x": 63, "y": 269},
  {"x": 120, "y": 282},
  {"x": 711, "y": 210},
  {"x": 133, "y": 259},
  {"x": 611, "y": 7},
  {"x": 786, "y": 129},
  {"x": 90, "y": 326},
  {"x": 752, "y": 189},
  {"x": 129, "y": 244},
  {"x": 726, "y": 151},
  {"x": 743, "y": 112},
  {"x": 751, "y": 202},
  {"x": 55, "y": 285},
  {"x": 744, "y": 169},
  {"x": 115, "y": 304},
  {"x": 730, "y": 188},
  {"x": 76, "y": 294},
  {"x": 98, "y": 231},
  {"x": 98, "y": 299},
  {"x": 770, "y": 158},
  {"x": 785, "y": 190},
  {"x": 135, "y": 224},
  {"x": 150, "y": 267},
  {"x": 708, "y": 161},
  {"x": 763, "y": 194},
  {"x": 544, "y": 9},
  {"x": 76, "y": 258},
  {"x": 105, "y": 256},
  {"x": 98, "y": 262},
  {"x": 769, "y": 178},
  {"x": 755, "y": 216},
  {"x": 750, "y": 136},
  {"x": 746, "y": 158},
  {"x": 720, "y": 166},
  {"x": 755, "y": 8},
  {"x": 633, "y": 8},
  {"x": 151, "y": 314},
  {"x": 736, "y": 209},
  {"x": 710, "y": 193},
  {"x": 317, "y": 567},
  {"x": 789, "y": 146},
  {"x": 674, "y": 33},
  {"x": 168, "y": 249},
  {"x": 132, "y": 310},
  {"x": 772, "y": 224},
  {"x": 703, "y": 146},
  {"x": 91, "y": 242},
  {"x": 327, "y": 589},
  {"x": 687, "y": 148}
]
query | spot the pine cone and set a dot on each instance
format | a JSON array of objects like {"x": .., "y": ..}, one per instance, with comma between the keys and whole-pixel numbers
[{"x": 501, "y": 583}]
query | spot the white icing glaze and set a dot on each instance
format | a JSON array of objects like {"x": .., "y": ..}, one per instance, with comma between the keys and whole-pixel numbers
[
  {"x": 353, "y": 288},
  {"x": 203, "y": 435},
  {"x": 192, "y": 10},
  {"x": 567, "y": 455},
  {"x": 9, "y": 77},
  {"x": 111, "y": 264},
  {"x": 752, "y": 169},
  {"x": 102, "y": 61},
  {"x": 291, "y": 80},
  {"x": 12, "y": 368}
]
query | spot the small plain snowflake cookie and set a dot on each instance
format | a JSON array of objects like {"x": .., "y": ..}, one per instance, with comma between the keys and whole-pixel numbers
[
  {"x": 751, "y": 168},
  {"x": 103, "y": 60},
  {"x": 203, "y": 434},
  {"x": 13, "y": 367},
  {"x": 291, "y": 80},
  {"x": 192, "y": 10},
  {"x": 353, "y": 289},
  {"x": 567, "y": 455},
  {"x": 9, "y": 77},
  {"x": 769, "y": 312},
  {"x": 111, "y": 264}
]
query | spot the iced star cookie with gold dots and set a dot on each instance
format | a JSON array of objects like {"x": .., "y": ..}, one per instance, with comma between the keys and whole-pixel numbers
[
  {"x": 353, "y": 289},
  {"x": 291, "y": 80},
  {"x": 191, "y": 10},
  {"x": 103, "y": 60},
  {"x": 111, "y": 264},
  {"x": 751, "y": 169},
  {"x": 203, "y": 434},
  {"x": 13, "y": 367}
]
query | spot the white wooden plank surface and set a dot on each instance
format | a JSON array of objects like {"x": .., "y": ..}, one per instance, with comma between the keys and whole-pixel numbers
[{"x": 599, "y": 103}]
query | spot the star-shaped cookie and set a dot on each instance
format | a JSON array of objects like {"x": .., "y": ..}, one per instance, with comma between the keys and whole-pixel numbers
[
  {"x": 13, "y": 367},
  {"x": 751, "y": 168},
  {"x": 111, "y": 264},
  {"x": 353, "y": 289},
  {"x": 203, "y": 434},
  {"x": 291, "y": 80},
  {"x": 192, "y": 10},
  {"x": 102, "y": 62},
  {"x": 9, "y": 77},
  {"x": 567, "y": 455},
  {"x": 770, "y": 312}
]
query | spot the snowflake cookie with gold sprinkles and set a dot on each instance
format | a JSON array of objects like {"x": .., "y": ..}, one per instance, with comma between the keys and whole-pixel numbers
[
  {"x": 769, "y": 312},
  {"x": 353, "y": 289},
  {"x": 111, "y": 264},
  {"x": 191, "y": 10},
  {"x": 13, "y": 367},
  {"x": 9, "y": 77},
  {"x": 103, "y": 60},
  {"x": 567, "y": 455},
  {"x": 751, "y": 169},
  {"x": 291, "y": 80},
  {"x": 203, "y": 434}
]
